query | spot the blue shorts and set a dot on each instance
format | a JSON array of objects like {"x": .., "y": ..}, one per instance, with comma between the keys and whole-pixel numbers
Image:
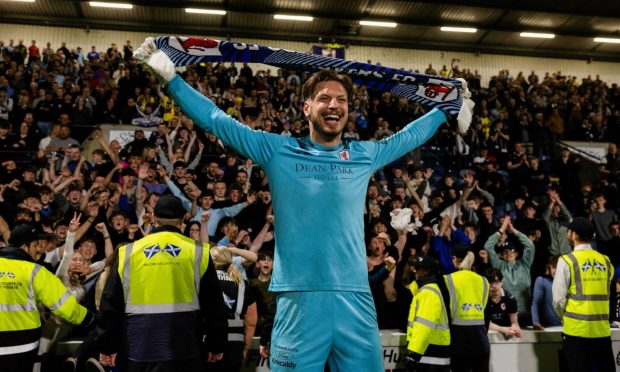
[{"x": 312, "y": 328}]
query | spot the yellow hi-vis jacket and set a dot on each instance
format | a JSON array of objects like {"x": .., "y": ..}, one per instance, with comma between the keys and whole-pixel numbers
[
  {"x": 428, "y": 330},
  {"x": 23, "y": 284},
  {"x": 469, "y": 293},
  {"x": 587, "y": 304},
  {"x": 161, "y": 273}
]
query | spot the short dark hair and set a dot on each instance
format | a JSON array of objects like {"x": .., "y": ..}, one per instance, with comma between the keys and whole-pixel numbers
[
  {"x": 308, "y": 91},
  {"x": 470, "y": 224},
  {"x": 99, "y": 152},
  {"x": 553, "y": 261},
  {"x": 207, "y": 193},
  {"x": 119, "y": 213},
  {"x": 235, "y": 186},
  {"x": 493, "y": 274},
  {"x": 88, "y": 238},
  {"x": 262, "y": 255}
]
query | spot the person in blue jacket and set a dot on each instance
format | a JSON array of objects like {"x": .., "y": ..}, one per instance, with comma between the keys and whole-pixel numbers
[{"x": 325, "y": 309}]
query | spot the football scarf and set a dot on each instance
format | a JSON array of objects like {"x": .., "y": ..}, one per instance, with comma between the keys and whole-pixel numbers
[{"x": 433, "y": 91}]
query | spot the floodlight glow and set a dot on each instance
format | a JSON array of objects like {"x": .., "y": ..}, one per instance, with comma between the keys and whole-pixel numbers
[
  {"x": 606, "y": 40},
  {"x": 378, "y": 24},
  {"x": 110, "y": 5},
  {"x": 205, "y": 11},
  {"x": 288, "y": 17},
  {"x": 537, "y": 35},
  {"x": 470, "y": 30}
]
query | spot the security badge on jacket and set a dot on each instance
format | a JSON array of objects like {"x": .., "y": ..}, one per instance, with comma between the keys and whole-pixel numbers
[
  {"x": 467, "y": 306},
  {"x": 7, "y": 274},
  {"x": 595, "y": 264},
  {"x": 172, "y": 249}
]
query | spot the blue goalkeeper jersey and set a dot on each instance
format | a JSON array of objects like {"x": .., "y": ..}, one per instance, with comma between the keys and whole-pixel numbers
[{"x": 318, "y": 192}]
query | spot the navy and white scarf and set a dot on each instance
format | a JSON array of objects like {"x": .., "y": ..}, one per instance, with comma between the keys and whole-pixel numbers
[{"x": 433, "y": 91}]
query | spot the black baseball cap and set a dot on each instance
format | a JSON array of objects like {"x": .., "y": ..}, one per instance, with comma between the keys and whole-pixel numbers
[
  {"x": 427, "y": 263},
  {"x": 170, "y": 207},
  {"x": 582, "y": 227},
  {"x": 460, "y": 250},
  {"x": 23, "y": 234}
]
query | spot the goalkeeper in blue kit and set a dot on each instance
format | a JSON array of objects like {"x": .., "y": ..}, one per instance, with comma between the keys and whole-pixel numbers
[{"x": 318, "y": 183}]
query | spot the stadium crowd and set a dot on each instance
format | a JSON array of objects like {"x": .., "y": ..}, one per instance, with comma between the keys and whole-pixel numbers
[{"x": 506, "y": 172}]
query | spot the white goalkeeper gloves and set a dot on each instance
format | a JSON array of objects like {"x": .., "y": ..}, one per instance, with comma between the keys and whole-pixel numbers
[
  {"x": 155, "y": 61},
  {"x": 467, "y": 108}
]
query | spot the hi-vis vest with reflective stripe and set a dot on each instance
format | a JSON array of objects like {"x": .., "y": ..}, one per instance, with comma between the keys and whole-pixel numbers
[
  {"x": 428, "y": 325},
  {"x": 587, "y": 305},
  {"x": 22, "y": 285},
  {"x": 468, "y": 297},
  {"x": 161, "y": 273}
]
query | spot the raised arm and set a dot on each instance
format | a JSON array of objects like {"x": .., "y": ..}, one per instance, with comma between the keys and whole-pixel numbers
[
  {"x": 197, "y": 158},
  {"x": 142, "y": 174},
  {"x": 4, "y": 230},
  {"x": 62, "y": 185},
  {"x": 260, "y": 238},
  {"x": 489, "y": 246},
  {"x": 469, "y": 187},
  {"x": 108, "y": 246},
  {"x": 528, "y": 246},
  {"x": 412, "y": 191},
  {"x": 168, "y": 138},
  {"x": 110, "y": 175},
  {"x": 78, "y": 168},
  {"x": 63, "y": 267},
  {"x": 485, "y": 194},
  {"x": 105, "y": 146},
  {"x": 410, "y": 137},
  {"x": 190, "y": 145},
  {"x": 246, "y": 256},
  {"x": 204, "y": 228},
  {"x": 257, "y": 145},
  {"x": 163, "y": 160}
]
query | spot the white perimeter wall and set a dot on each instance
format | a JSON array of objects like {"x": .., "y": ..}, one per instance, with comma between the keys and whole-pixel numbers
[{"x": 486, "y": 64}]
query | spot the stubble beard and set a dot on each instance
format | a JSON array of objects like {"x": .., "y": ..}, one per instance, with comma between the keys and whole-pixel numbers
[{"x": 327, "y": 136}]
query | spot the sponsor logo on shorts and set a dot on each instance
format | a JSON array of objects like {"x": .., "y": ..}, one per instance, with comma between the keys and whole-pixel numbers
[
  {"x": 283, "y": 363},
  {"x": 282, "y": 356}
]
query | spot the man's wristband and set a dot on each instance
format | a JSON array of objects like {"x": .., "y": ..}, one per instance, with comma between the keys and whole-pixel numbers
[{"x": 106, "y": 237}]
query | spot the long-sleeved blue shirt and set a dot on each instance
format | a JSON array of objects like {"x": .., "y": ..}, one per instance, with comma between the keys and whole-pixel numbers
[
  {"x": 216, "y": 214},
  {"x": 443, "y": 248},
  {"x": 318, "y": 192},
  {"x": 542, "y": 299}
]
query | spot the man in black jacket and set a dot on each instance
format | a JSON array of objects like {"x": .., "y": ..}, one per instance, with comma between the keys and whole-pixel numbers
[{"x": 165, "y": 290}]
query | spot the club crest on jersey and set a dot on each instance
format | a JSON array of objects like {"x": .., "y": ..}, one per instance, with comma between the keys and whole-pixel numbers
[
  {"x": 196, "y": 46},
  {"x": 344, "y": 155}
]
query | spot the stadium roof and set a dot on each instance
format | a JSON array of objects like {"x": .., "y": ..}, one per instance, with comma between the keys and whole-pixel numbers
[{"x": 499, "y": 23}]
